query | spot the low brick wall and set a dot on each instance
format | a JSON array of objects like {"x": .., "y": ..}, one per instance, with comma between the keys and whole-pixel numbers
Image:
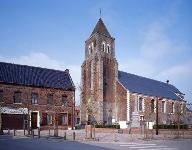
[
  {"x": 163, "y": 133},
  {"x": 106, "y": 130}
]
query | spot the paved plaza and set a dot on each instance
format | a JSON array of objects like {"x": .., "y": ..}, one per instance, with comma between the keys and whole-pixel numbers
[
  {"x": 9, "y": 142},
  {"x": 104, "y": 141}
]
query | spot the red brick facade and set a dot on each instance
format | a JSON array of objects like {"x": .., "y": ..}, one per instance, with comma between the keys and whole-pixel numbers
[
  {"x": 112, "y": 102},
  {"x": 165, "y": 117},
  {"x": 42, "y": 108}
]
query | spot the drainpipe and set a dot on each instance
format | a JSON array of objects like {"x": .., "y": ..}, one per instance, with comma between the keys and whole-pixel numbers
[{"x": 157, "y": 115}]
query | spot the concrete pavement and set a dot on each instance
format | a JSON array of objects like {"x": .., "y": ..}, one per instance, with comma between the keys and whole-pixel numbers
[{"x": 8, "y": 142}]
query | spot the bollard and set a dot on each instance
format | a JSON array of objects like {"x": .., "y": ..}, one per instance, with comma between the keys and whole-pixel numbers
[
  {"x": 74, "y": 136},
  {"x": 65, "y": 137},
  {"x": 32, "y": 133},
  {"x": 8, "y": 131},
  {"x": 14, "y": 132},
  {"x": 49, "y": 132},
  {"x": 38, "y": 132}
]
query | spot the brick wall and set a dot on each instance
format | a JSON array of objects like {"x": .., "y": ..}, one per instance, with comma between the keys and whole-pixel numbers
[
  {"x": 41, "y": 106},
  {"x": 164, "y": 117},
  {"x": 121, "y": 100}
]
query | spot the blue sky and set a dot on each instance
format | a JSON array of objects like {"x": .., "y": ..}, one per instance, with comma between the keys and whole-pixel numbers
[{"x": 153, "y": 37}]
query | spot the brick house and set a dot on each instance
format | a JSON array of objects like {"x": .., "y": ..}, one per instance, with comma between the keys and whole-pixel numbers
[
  {"x": 115, "y": 96},
  {"x": 45, "y": 95}
]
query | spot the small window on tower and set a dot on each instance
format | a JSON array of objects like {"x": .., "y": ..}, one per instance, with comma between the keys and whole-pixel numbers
[
  {"x": 103, "y": 47},
  {"x": 108, "y": 48},
  {"x": 89, "y": 50},
  {"x": 92, "y": 46}
]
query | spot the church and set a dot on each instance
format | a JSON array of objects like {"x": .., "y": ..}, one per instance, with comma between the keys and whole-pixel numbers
[{"x": 110, "y": 96}]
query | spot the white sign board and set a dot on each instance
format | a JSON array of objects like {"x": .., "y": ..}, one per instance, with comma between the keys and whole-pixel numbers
[
  {"x": 123, "y": 124},
  {"x": 7, "y": 110}
]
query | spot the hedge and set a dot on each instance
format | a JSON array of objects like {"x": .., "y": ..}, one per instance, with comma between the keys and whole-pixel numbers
[
  {"x": 107, "y": 126},
  {"x": 172, "y": 126}
]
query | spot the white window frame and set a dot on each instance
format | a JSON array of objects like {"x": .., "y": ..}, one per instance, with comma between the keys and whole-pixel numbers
[
  {"x": 138, "y": 104},
  {"x": 104, "y": 47},
  {"x": 108, "y": 48},
  {"x": 92, "y": 46},
  {"x": 172, "y": 107},
  {"x": 89, "y": 50},
  {"x": 154, "y": 106},
  {"x": 165, "y": 106}
]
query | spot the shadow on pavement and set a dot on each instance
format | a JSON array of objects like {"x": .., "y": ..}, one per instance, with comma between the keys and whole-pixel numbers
[{"x": 8, "y": 143}]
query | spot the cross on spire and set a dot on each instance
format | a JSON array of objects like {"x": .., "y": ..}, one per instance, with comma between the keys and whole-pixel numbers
[{"x": 100, "y": 12}]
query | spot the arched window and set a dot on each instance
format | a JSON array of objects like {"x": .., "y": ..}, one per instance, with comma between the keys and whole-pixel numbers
[
  {"x": 103, "y": 47},
  {"x": 140, "y": 104},
  {"x": 92, "y": 46},
  {"x": 108, "y": 48},
  {"x": 152, "y": 105},
  {"x": 89, "y": 50},
  {"x": 172, "y": 107},
  {"x": 163, "y": 107}
]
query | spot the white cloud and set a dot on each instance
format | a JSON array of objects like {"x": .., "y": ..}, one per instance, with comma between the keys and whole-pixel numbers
[
  {"x": 39, "y": 59},
  {"x": 182, "y": 71},
  {"x": 159, "y": 58}
]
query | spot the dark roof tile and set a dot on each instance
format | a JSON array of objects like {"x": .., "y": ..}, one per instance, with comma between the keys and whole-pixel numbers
[
  {"x": 101, "y": 28},
  {"x": 35, "y": 76},
  {"x": 146, "y": 86}
]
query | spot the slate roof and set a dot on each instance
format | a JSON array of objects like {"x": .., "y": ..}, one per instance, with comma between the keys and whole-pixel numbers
[
  {"x": 35, "y": 76},
  {"x": 101, "y": 28},
  {"x": 146, "y": 86}
]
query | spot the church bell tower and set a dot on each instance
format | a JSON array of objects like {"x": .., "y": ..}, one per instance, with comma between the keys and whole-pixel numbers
[{"x": 98, "y": 77}]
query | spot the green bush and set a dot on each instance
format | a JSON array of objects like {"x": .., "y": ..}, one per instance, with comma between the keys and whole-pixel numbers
[
  {"x": 77, "y": 127},
  {"x": 107, "y": 126},
  {"x": 172, "y": 126}
]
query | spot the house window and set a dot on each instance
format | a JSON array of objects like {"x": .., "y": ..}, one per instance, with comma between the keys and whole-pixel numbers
[
  {"x": 77, "y": 120},
  {"x": 108, "y": 48},
  {"x": 1, "y": 95},
  {"x": 172, "y": 107},
  {"x": 152, "y": 105},
  {"x": 140, "y": 104},
  {"x": 64, "y": 100},
  {"x": 163, "y": 107},
  {"x": 17, "y": 97},
  {"x": 63, "y": 119},
  {"x": 49, "y": 119},
  {"x": 34, "y": 98},
  {"x": 50, "y": 99},
  {"x": 103, "y": 47}
]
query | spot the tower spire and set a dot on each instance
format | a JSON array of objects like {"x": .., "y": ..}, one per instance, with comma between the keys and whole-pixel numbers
[{"x": 100, "y": 12}]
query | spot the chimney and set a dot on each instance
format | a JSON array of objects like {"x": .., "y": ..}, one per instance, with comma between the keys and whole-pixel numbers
[
  {"x": 167, "y": 81},
  {"x": 67, "y": 70}
]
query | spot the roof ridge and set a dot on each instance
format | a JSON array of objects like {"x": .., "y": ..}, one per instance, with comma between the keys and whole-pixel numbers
[
  {"x": 147, "y": 78},
  {"x": 33, "y": 66}
]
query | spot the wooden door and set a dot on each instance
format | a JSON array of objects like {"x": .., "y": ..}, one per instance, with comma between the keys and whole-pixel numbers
[{"x": 34, "y": 120}]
